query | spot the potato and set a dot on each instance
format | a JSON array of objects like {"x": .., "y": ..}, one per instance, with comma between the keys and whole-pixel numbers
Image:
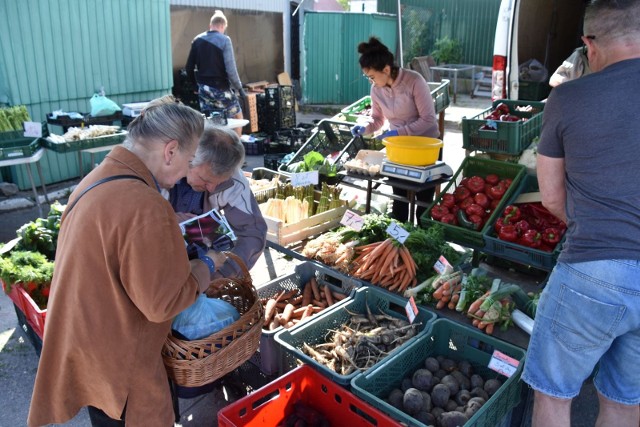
[
  {"x": 440, "y": 395},
  {"x": 440, "y": 374},
  {"x": 453, "y": 419},
  {"x": 395, "y": 398},
  {"x": 423, "y": 380},
  {"x": 451, "y": 382},
  {"x": 437, "y": 412},
  {"x": 476, "y": 381},
  {"x": 432, "y": 364},
  {"x": 406, "y": 384},
  {"x": 491, "y": 386},
  {"x": 426, "y": 401},
  {"x": 462, "y": 397},
  {"x": 451, "y": 406},
  {"x": 465, "y": 368},
  {"x": 412, "y": 401},
  {"x": 479, "y": 392},
  {"x": 425, "y": 417},
  {"x": 448, "y": 365},
  {"x": 463, "y": 381}
]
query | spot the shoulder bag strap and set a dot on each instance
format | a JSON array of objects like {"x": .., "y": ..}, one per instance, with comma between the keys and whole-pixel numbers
[{"x": 101, "y": 181}]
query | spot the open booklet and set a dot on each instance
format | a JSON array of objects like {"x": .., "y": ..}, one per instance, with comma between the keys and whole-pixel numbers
[{"x": 211, "y": 229}]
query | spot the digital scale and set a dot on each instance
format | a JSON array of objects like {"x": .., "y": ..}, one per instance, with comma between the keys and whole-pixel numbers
[{"x": 436, "y": 171}]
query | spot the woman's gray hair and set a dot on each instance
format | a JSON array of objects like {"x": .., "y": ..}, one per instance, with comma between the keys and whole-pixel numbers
[
  {"x": 165, "y": 119},
  {"x": 221, "y": 149}
]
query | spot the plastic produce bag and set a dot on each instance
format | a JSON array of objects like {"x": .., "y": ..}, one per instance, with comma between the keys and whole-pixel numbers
[
  {"x": 102, "y": 106},
  {"x": 204, "y": 317},
  {"x": 533, "y": 71}
]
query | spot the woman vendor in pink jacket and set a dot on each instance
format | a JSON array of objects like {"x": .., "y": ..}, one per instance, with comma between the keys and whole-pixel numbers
[{"x": 401, "y": 97}]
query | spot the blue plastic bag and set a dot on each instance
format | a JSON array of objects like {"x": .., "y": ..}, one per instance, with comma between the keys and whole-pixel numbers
[
  {"x": 204, "y": 317},
  {"x": 102, "y": 106}
]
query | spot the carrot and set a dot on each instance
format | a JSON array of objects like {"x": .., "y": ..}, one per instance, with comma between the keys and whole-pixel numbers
[
  {"x": 279, "y": 297},
  {"x": 338, "y": 296},
  {"x": 375, "y": 254},
  {"x": 275, "y": 322},
  {"x": 328, "y": 296},
  {"x": 287, "y": 313},
  {"x": 437, "y": 294},
  {"x": 297, "y": 313},
  {"x": 475, "y": 322},
  {"x": 307, "y": 312},
  {"x": 307, "y": 295},
  {"x": 489, "y": 328},
  {"x": 315, "y": 289},
  {"x": 440, "y": 304},
  {"x": 269, "y": 310},
  {"x": 475, "y": 306},
  {"x": 289, "y": 294},
  {"x": 319, "y": 303},
  {"x": 451, "y": 305}
]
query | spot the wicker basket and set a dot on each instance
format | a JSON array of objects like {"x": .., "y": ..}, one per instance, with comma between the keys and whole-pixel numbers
[{"x": 199, "y": 362}]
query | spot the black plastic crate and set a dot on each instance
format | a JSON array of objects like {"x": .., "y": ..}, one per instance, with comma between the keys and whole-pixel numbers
[
  {"x": 274, "y": 160},
  {"x": 279, "y": 96}
]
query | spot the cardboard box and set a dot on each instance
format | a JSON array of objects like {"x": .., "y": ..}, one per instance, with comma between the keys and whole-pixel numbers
[{"x": 250, "y": 112}]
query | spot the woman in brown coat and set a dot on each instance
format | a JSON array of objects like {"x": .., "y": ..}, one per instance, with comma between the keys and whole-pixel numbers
[{"x": 121, "y": 275}]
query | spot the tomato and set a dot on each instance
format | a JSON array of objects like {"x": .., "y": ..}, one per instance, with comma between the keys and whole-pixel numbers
[
  {"x": 497, "y": 191},
  {"x": 482, "y": 200},
  {"x": 492, "y": 179},
  {"x": 477, "y": 220},
  {"x": 438, "y": 211},
  {"x": 449, "y": 219},
  {"x": 448, "y": 200},
  {"x": 464, "y": 204},
  {"x": 475, "y": 184},
  {"x": 475, "y": 209},
  {"x": 461, "y": 192}
]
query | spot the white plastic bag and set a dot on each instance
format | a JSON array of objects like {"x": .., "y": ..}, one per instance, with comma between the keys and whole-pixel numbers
[{"x": 533, "y": 71}]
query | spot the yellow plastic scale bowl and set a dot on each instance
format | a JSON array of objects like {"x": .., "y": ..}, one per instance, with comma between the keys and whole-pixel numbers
[{"x": 412, "y": 150}]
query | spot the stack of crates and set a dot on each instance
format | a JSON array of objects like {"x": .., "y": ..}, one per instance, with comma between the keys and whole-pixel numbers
[{"x": 276, "y": 108}]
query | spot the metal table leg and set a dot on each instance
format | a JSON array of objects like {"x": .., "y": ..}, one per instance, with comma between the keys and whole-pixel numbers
[
  {"x": 44, "y": 189},
  {"x": 33, "y": 187}
]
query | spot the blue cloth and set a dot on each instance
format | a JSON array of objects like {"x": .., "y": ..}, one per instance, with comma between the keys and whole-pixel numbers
[
  {"x": 588, "y": 313},
  {"x": 184, "y": 199}
]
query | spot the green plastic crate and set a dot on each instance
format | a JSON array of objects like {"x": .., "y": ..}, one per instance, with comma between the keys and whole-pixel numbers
[
  {"x": 533, "y": 91},
  {"x": 476, "y": 166},
  {"x": 456, "y": 342},
  {"x": 353, "y": 111},
  {"x": 440, "y": 95},
  {"x": 270, "y": 358},
  {"x": 24, "y": 147},
  {"x": 510, "y": 137},
  {"x": 84, "y": 144},
  {"x": 517, "y": 253},
  {"x": 316, "y": 330}
]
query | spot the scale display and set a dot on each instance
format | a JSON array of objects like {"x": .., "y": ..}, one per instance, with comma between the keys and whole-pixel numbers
[{"x": 415, "y": 173}]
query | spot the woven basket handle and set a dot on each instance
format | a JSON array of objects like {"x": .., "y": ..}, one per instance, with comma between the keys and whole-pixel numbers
[{"x": 246, "y": 277}]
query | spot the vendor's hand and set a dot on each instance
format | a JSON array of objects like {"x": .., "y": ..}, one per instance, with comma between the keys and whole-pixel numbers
[
  {"x": 387, "y": 134},
  {"x": 357, "y": 130}
]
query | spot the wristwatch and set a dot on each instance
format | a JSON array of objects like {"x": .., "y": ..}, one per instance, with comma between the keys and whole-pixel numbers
[{"x": 207, "y": 260}]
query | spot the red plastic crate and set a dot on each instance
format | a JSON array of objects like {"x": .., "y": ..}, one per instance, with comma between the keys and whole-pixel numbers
[
  {"x": 271, "y": 404},
  {"x": 34, "y": 314},
  {"x": 13, "y": 295}
]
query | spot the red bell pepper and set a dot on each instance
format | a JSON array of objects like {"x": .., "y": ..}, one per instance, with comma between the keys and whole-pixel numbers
[
  {"x": 512, "y": 213},
  {"x": 551, "y": 236},
  {"x": 508, "y": 233},
  {"x": 531, "y": 238},
  {"x": 438, "y": 211},
  {"x": 522, "y": 226},
  {"x": 477, "y": 221},
  {"x": 502, "y": 108},
  {"x": 475, "y": 184}
]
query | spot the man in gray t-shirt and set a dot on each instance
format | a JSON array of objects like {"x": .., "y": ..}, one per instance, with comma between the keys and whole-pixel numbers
[{"x": 588, "y": 164}]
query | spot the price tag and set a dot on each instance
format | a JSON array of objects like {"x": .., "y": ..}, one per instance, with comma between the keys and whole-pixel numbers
[
  {"x": 353, "y": 220},
  {"x": 303, "y": 179},
  {"x": 503, "y": 364},
  {"x": 32, "y": 129},
  {"x": 397, "y": 232},
  {"x": 442, "y": 266},
  {"x": 411, "y": 309}
]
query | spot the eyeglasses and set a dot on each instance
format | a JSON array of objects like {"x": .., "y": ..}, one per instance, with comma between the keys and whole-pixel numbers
[
  {"x": 590, "y": 37},
  {"x": 371, "y": 79}
]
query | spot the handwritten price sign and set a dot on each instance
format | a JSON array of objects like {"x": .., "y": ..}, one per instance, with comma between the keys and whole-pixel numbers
[
  {"x": 32, "y": 129},
  {"x": 397, "y": 232},
  {"x": 503, "y": 364},
  {"x": 353, "y": 220},
  {"x": 303, "y": 179}
]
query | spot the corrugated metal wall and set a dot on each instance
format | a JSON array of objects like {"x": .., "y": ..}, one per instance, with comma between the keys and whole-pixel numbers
[
  {"x": 472, "y": 22},
  {"x": 54, "y": 54},
  {"x": 331, "y": 74}
]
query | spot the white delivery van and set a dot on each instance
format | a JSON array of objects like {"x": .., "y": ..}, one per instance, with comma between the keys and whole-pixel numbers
[{"x": 545, "y": 30}]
